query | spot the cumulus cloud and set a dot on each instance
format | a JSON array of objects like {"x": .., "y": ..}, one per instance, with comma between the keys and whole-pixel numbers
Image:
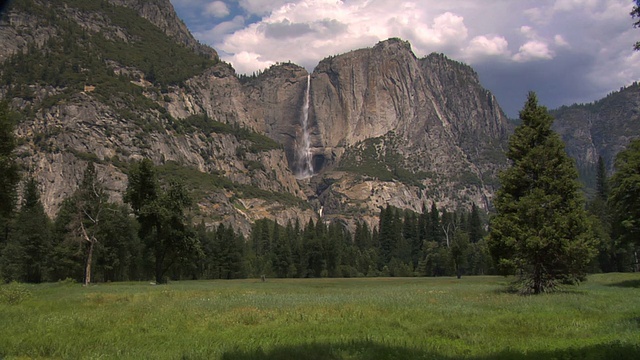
[
  {"x": 305, "y": 31},
  {"x": 248, "y": 61},
  {"x": 448, "y": 29},
  {"x": 560, "y": 41},
  {"x": 261, "y": 7},
  {"x": 487, "y": 46},
  {"x": 218, "y": 32},
  {"x": 584, "y": 43},
  {"x": 533, "y": 50},
  {"x": 572, "y": 5},
  {"x": 217, "y": 9}
]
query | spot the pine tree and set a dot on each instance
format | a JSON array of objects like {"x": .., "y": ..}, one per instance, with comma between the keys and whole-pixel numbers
[
  {"x": 9, "y": 172},
  {"x": 459, "y": 252},
  {"x": 435, "y": 231},
  {"x": 282, "y": 259},
  {"x": 161, "y": 213},
  {"x": 26, "y": 255},
  {"x": 624, "y": 198},
  {"x": 540, "y": 229},
  {"x": 476, "y": 232}
]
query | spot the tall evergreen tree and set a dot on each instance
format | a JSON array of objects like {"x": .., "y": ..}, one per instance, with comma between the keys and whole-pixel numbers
[
  {"x": 602, "y": 183},
  {"x": 600, "y": 219},
  {"x": 9, "y": 172},
  {"x": 423, "y": 224},
  {"x": 282, "y": 259},
  {"x": 540, "y": 228},
  {"x": 435, "y": 231},
  {"x": 26, "y": 255},
  {"x": 459, "y": 251},
  {"x": 625, "y": 198},
  {"x": 161, "y": 213},
  {"x": 476, "y": 231}
]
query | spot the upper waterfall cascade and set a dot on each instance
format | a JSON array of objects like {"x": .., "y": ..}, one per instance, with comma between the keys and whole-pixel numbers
[{"x": 304, "y": 162}]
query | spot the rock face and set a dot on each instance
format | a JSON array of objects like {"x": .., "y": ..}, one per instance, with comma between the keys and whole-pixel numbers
[
  {"x": 602, "y": 128},
  {"x": 436, "y": 133},
  {"x": 162, "y": 14},
  {"x": 383, "y": 126},
  {"x": 433, "y": 104}
]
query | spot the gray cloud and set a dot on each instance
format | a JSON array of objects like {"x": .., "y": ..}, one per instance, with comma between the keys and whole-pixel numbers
[
  {"x": 333, "y": 26},
  {"x": 562, "y": 84},
  {"x": 285, "y": 29},
  {"x": 566, "y": 50}
]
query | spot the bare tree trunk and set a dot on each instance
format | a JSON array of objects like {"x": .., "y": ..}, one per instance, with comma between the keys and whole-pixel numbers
[
  {"x": 92, "y": 241},
  {"x": 87, "y": 271}
]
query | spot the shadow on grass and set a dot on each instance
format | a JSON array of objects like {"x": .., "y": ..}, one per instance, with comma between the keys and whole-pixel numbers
[
  {"x": 372, "y": 351},
  {"x": 627, "y": 284}
]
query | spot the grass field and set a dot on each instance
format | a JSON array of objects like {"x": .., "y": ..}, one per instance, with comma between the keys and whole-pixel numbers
[{"x": 373, "y": 318}]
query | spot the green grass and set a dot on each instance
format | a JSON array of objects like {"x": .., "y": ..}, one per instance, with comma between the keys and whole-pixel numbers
[{"x": 379, "y": 318}]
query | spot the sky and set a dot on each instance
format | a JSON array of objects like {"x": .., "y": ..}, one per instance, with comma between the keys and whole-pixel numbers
[{"x": 567, "y": 51}]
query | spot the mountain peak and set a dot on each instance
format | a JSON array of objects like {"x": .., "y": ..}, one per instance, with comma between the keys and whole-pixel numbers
[
  {"x": 394, "y": 42},
  {"x": 162, "y": 14}
]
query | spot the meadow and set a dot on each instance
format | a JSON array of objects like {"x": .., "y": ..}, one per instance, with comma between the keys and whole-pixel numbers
[{"x": 366, "y": 318}]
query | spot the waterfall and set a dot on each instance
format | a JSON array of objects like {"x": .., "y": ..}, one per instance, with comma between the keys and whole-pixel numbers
[{"x": 304, "y": 163}]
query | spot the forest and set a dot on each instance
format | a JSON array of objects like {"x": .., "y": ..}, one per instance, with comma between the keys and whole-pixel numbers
[
  {"x": 541, "y": 226},
  {"x": 92, "y": 240},
  {"x": 124, "y": 247}
]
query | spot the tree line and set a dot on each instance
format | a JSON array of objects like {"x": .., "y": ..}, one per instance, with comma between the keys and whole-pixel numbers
[
  {"x": 542, "y": 230},
  {"x": 151, "y": 236}
]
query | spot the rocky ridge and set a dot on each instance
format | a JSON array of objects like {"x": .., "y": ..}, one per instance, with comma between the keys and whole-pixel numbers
[
  {"x": 385, "y": 126},
  {"x": 602, "y": 128}
]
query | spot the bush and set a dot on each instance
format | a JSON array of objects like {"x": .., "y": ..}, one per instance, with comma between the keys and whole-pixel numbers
[{"x": 13, "y": 293}]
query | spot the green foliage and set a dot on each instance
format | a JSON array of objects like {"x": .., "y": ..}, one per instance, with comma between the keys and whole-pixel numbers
[
  {"x": 223, "y": 253},
  {"x": 13, "y": 293},
  {"x": 76, "y": 57},
  {"x": 635, "y": 14},
  {"x": 540, "y": 228},
  {"x": 25, "y": 256},
  {"x": 377, "y": 158},
  {"x": 625, "y": 195},
  {"x": 202, "y": 184},
  {"x": 161, "y": 213},
  {"x": 147, "y": 48},
  {"x": 207, "y": 125},
  {"x": 9, "y": 172},
  {"x": 403, "y": 246}
]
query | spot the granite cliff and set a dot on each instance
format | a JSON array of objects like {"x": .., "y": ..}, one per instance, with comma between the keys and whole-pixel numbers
[
  {"x": 602, "y": 128},
  {"x": 382, "y": 126}
]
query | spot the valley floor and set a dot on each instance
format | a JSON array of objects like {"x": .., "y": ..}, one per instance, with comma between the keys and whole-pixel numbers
[{"x": 367, "y": 318}]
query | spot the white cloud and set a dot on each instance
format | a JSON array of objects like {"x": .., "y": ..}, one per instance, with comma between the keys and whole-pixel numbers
[
  {"x": 572, "y": 5},
  {"x": 449, "y": 27},
  {"x": 248, "y": 62},
  {"x": 528, "y": 32},
  {"x": 536, "y": 15},
  {"x": 483, "y": 46},
  {"x": 319, "y": 28},
  {"x": 560, "y": 41},
  {"x": 217, "y": 33},
  {"x": 533, "y": 50},
  {"x": 217, "y": 9},
  {"x": 584, "y": 43},
  {"x": 261, "y": 7}
]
